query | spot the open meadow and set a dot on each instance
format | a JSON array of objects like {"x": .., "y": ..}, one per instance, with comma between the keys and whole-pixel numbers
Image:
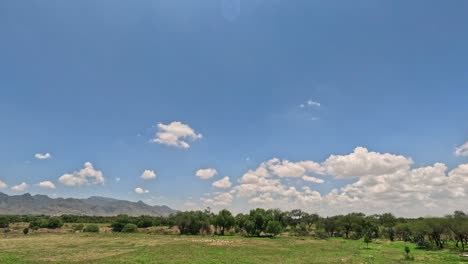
[{"x": 150, "y": 248}]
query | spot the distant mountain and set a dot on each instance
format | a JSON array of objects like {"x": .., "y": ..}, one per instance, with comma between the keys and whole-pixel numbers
[{"x": 95, "y": 205}]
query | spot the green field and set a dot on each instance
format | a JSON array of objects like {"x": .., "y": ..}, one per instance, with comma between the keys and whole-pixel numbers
[{"x": 148, "y": 248}]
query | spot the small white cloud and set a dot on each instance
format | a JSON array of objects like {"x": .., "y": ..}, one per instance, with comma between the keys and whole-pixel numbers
[
  {"x": 87, "y": 175},
  {"x": 175, "y": 134},
  {"x": 140, "y": 190},
  {"x": 462, "y": 151},
  {"x": 43, "y": 156},
  {"x": 301, "y": 105},
  {"x": 206, "y": 174},
  {"x": 224, "y": 183},
  {"x": 117, "y": 179},
  {"x": 20, "y": 187},
  {"x": 46, "y": 184},
  {"x": 3, "y": 185},
  {"x": 148, "y": 175},
  {"x": 312, "y": 179},
  {"x": 313, "y": 103}
]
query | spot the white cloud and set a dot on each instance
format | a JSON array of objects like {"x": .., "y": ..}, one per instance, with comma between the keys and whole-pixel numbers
[
  {"x": 42, "y": 156},
  {"x": 381, "y": 182},
  {"x": 117, "y": 179},
  {"x": 3, "y": 185},
  {"x": 312, "y": 179},
  {"x": 224, "y": 183},
  {"x": 87, "y": 175},
  {"x": 46, "y": 184},
  {"x": 364, "y": 163},
  {"x": 220, "y": 199},
  {"x": 313, "y": 103},
  {"x": 148, "y": 175},
  {"x": 206, "y": 174},
  {"x": 140, "y": 190},
  {"x": 175, "y": 134},
  {"x": 462, "y": 150},
  {"x": 20, "y": 187}
]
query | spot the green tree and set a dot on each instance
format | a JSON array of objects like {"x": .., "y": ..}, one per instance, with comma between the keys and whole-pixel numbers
[
  {"x": 274, "y": 228},
  {"x": 224, "y": 220},
  {"x": 55, "y": 222}
]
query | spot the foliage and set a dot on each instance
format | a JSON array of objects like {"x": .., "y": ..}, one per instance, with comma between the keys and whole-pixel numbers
[
  {"x": 274, "y": 228},
  {"x": 91, "y": 229},
  {"x": 130, "y": 228},
  {"x": 26, "y": 231}
]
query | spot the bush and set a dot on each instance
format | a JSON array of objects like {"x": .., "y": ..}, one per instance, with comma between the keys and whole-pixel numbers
[
  {"x": 130, "y": 228},
  {"x": 26, "y": 231},
  {"x": 55, "y": 222},
  {"x": 91, "y": 229},
  {"x": 4, "y": 222},
  {"x": 120, "y": 223}
]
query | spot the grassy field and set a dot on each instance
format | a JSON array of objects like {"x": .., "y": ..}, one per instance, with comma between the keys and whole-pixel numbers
[{"x": 146, "y": 248}]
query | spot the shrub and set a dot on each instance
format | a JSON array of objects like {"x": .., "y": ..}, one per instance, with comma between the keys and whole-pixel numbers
[
  {"x": 130, "y": 228},
  {"x": 91, "y": 228},
  {"x": 26, "y": 231},
  {"x": 4, "y": 222},
  {"x": 55, "y": 222}
]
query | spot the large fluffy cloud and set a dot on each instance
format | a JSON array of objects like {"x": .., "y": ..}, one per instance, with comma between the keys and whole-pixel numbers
[
  {"x": 364, "y": 163},
  {"x": 206, "y": 174},
  {"x": 380, "y": 182},
  {"x": 224, "y": 183},
  {"x": 46, "y": 184},
  {"x": 20, "y": 187},
  {"x": 176, "y": 134},
  {"x": 87, "y": 175},
  {"x": 462, "y": 150}
]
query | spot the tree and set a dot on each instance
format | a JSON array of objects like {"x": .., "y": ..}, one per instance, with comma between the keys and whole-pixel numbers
[
  {"x": 329, "y": 224},
  {"x": 224, "y": 220},
  {"x": 367, "y": 237},
  {"x": 274, "y": 228}
]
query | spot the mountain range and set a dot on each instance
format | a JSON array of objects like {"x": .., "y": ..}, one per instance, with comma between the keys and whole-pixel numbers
[{"x": 27, "y": 204}]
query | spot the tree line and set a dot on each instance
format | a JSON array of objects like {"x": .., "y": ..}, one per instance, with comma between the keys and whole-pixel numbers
[{"x": 427, "y": 233}]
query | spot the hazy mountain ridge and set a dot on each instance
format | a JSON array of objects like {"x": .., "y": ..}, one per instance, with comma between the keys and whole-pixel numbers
[{"x": 95, "y": 205}]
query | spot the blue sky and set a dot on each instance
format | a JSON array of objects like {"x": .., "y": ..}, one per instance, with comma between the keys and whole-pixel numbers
[{"x": 90, "y": 81}]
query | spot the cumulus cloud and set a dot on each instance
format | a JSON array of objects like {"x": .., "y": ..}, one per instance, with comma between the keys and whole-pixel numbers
[
  {"x": 206, "y": 174},
  {"x": 462, "y": 150},
  {"x": 224, "y": 183},
  {"x": 42, "y": 156},
  {"x": 219, "y": 199},
  {"x": 140, "y": 190},
  {"x": 312, "y": 179},
  {"x": 87, "y": 175},
  {"x": 381, "y": 182},
  {"x": 176, "y": 134},
  {"x": 364, "y": 163},
  {"x": 3, "y": 185},
  {"x": 46, "y": 184},
  {"x": 20, "y": 187},
  {"x": 148, "y": 175}
]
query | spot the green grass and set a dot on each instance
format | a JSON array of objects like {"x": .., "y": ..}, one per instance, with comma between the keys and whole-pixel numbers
[{"x": 146, "y": 248}]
